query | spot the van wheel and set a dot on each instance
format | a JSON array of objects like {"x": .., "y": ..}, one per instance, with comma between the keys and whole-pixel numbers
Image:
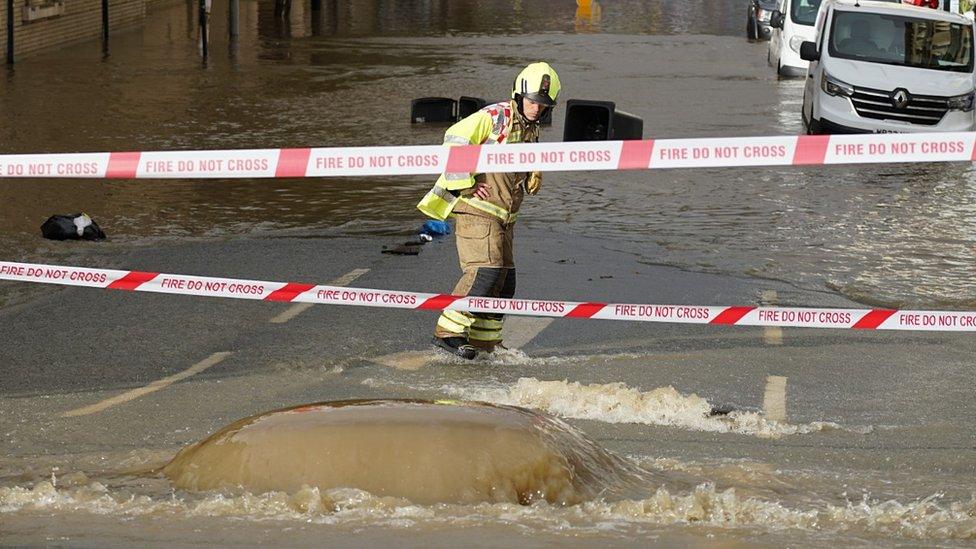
[
  {"x": 814, "y": 127},
  {"x": 751, "y": 29}
]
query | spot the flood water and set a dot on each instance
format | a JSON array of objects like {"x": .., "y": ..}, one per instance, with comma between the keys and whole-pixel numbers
[
  {"x": 895, "y": 235},
  {"x": 485, "y": 478},
  {"x": 344, "y": 75}
]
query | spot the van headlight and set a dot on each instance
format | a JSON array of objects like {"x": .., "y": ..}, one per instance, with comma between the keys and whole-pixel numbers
[
  {"x": 961, "y": 102},
  {"x": 795, "y": 43},
  {"x": 832, "y": 86}
]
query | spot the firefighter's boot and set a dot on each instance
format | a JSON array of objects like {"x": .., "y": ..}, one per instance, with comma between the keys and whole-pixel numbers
[{"x": 457, "y": 346}]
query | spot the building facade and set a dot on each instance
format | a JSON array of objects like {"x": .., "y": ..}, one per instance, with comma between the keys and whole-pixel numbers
[{"x": 47, "y": 24}]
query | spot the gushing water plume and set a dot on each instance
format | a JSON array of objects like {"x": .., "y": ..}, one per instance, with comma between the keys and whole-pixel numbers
[{"x": 424, "y": 451}]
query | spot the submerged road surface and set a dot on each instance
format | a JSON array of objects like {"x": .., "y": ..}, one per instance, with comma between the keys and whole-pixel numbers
[
  {"x": 750, "y": 436},
  {"x": 839, "y": 432}
]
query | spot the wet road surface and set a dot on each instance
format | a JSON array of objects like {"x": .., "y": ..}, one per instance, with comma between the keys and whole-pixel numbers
[{"x": 835, "y": 436}]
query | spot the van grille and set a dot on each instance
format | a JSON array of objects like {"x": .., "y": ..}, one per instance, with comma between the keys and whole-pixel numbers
[{"x": 926, "y": 110}]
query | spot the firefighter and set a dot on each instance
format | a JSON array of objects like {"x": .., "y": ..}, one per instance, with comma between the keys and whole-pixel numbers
[{"x": 485, "y": 207}]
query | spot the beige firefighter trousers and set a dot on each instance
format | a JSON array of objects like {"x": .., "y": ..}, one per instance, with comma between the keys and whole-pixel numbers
[{"x": 487, "y": 260}]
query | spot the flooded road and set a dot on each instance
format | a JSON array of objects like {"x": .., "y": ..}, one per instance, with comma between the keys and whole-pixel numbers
[
  {"x": 877, "y": 448},
  {"x": 871, "y": 445},
  {"x": 901, "y": 236}
]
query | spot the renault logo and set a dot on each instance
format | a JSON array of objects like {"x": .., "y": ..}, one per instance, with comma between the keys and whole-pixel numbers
[{"x": 900, "y": 98}]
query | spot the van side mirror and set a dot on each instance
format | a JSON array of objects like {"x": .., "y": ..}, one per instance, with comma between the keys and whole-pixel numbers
[
  {"x": 808, "y": 52},
  {"x": 776, "y": 19}
]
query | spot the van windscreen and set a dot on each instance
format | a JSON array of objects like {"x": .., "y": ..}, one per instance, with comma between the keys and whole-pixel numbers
[
  {"x": 899, "y": 40},
  {"x": 804, "y": 12}
]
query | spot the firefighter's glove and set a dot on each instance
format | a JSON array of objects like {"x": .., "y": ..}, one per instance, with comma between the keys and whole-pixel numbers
[{"x": 533, "y": 183}]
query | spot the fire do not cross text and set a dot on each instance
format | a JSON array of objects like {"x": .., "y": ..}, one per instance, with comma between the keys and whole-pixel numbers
[
  {"x": 516, "y": 305},
  {"x": 365, "y": 297},
  {"x": 214, "y": 286},
  {"x": 215, "y": 165},
  {"x": 898, "y": 148},
  {"x": 53, "y": 273},
  {"x": 662, "y": 311},
  {"x": 547, "y": 157},
  {"x": 686, "y": 152},
  {"x": 376, "y": 161}
]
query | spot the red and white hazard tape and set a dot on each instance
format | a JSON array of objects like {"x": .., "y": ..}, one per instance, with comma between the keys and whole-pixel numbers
[
  {"x": 435, "y": 159},
  {"x": 868, "y": 319}
]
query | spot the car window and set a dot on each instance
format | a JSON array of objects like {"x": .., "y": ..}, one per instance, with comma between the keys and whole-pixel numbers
[
  {"x": 804, "y": 12},
  {"x": 900, "y": 40}
]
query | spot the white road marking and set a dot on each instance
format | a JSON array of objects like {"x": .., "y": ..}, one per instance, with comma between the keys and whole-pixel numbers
[
  {"x": 520, "y": 330},
  {"x": 774, "y": 398},
  {"x": 301, "y": 307},
  {"x": 772, "y": 335},
  {"x": 211, "y": 360}
]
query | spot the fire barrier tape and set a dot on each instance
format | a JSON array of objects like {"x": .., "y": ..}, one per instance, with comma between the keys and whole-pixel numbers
[
  {"x": 799, "y": 317},
  {"x": 436, "y": 159}
]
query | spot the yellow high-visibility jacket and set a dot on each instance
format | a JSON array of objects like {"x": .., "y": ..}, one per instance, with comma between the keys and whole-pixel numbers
[{"x": 495, "y": 124}]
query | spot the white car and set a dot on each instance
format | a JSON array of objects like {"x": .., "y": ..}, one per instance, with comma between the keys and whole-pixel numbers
[
  {"x": 887, "y": 67},
  {"x": 792, "y": 24}
]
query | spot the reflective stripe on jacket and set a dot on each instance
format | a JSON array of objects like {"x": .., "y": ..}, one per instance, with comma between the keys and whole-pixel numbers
[{"x": 491, "y": 125}]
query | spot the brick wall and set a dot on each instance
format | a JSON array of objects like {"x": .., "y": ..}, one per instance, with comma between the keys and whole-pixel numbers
[{"x": 81, "y": 21}]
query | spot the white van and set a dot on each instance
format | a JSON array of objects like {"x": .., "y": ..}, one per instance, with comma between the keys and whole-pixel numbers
[
  {"x": 884, "y": 67},
  {"x": 792, "y": 24}
]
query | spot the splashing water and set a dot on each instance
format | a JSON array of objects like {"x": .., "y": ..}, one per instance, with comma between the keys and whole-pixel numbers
[
  {"x": 618, "y": 403},
  {"x": 925, "y": 519}
]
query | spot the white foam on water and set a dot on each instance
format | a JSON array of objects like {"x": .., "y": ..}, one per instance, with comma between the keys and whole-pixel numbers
[
  {"x": 618, "y": 403},
  {"x": 517, "y": 357},
  {"x": 500, "y": 357},
  {"x": 922, "y": 520}
]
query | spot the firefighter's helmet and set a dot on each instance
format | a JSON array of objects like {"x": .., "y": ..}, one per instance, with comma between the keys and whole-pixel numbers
[{"x": 537, "y": 82}]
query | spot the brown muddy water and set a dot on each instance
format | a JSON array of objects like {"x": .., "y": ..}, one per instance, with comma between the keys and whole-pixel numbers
[
  {"x": 344, "y": 75},
  {"x": 426, "y": 452},
  {"x": 452, "y": 472},
  {"x": 899, "y": 235}
]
